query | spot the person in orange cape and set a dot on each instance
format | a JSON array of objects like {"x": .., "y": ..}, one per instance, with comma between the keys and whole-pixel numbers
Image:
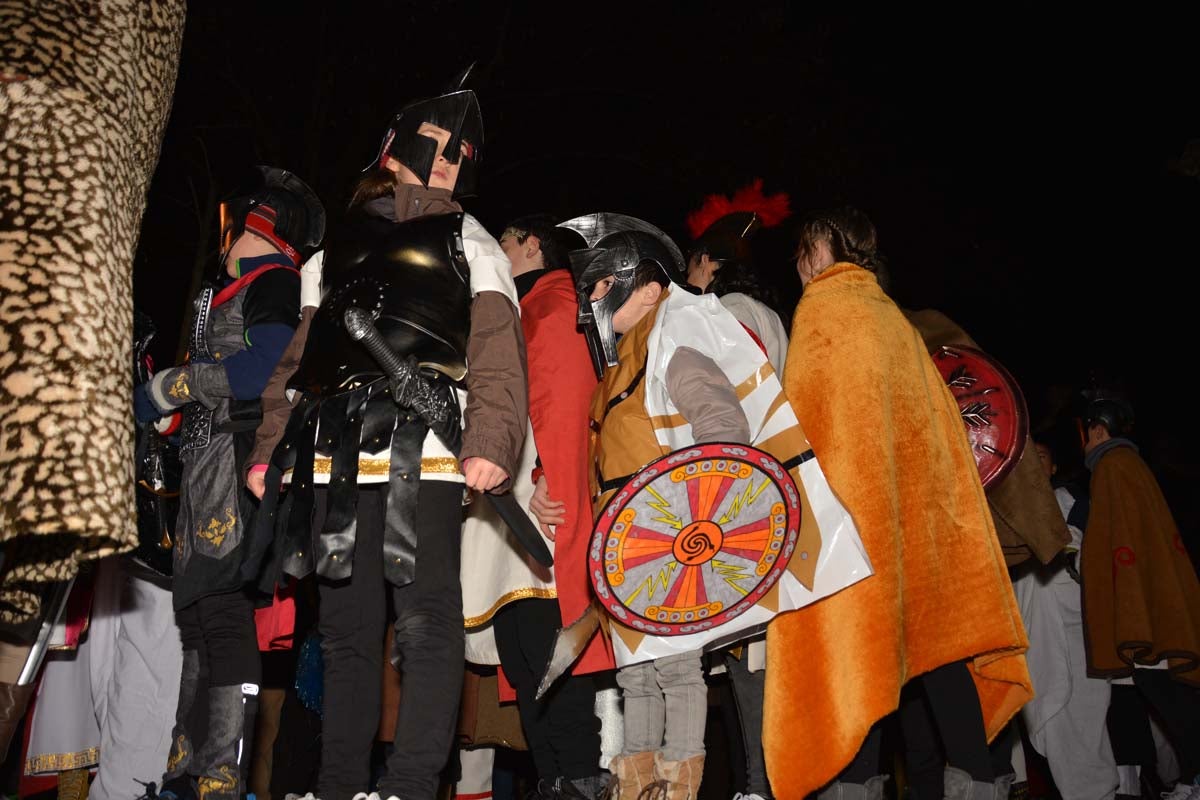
[
  {"x": 1141, "y": 597},
  {"x": 939, "y": 607}
]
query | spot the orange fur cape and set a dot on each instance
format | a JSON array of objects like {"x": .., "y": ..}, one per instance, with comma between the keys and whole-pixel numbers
[
  {"x": 890, "y": 438},
  {"x": 1141, "y": 598}
]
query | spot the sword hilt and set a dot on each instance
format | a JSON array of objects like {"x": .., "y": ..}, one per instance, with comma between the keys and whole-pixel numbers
[{"x": 361, "y": 327}]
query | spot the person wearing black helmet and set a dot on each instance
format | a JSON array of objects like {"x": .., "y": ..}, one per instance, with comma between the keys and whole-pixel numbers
[
  {"x": 683, "y": 382},
  {"x": 242, "y": 325},
  {"x": 376, "y": 477},
  {"x": 721, "y": 262},
  {"x": 1140, "y": 591}
]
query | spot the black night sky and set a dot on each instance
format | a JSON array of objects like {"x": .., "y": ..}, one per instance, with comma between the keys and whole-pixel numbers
[{"x": 1029, "y": 171}]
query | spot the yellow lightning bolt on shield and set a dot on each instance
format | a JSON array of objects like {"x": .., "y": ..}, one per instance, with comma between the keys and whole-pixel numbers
[
  {"x": 664, "y": 576},
  {"x": 661, "y": 504},
  {"x": 731, "y": 573},
  {"x": 740, "y": 501}
]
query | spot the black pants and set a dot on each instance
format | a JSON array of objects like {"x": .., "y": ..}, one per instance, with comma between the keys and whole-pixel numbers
[
  {"x": 925, "y": 758},
  {"x": 214, "y": 718},
  {"x": 1177, "y": 706},
  {"x": 429, "y": 645},
  {"x": 562, "y": 729},
  {"x": 748, "y": 690},
  {"x": 954, "y": 708},
  {"x": 220, "y": 628}
]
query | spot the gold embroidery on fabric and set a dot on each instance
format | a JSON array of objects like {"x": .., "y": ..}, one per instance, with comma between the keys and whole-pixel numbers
[
  {"x": 178, "y": 753},
  {"x": 61, "y": 762},
  {"x": 442, "y": 465},
  {"x": 216, "y": 531},
  {"x": 179, "y": 388},
  {"x": 226, "y": 784},
  {"x": 516, "y": 594}
]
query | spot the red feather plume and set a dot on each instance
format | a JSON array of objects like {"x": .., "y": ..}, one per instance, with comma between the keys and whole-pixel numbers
[{"x": 771, "y": 209}]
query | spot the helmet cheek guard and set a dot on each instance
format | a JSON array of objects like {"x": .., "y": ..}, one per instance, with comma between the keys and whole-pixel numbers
[{"x": 618, "y": 245}]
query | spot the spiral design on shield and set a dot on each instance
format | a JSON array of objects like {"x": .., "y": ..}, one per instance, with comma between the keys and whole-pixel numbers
[{"x": 698, "y": 542}]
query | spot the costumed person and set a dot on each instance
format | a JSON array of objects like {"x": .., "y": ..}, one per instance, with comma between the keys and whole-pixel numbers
[
  {"x": 513, "y": 606},
  {"x": 61, "y": 741},
  {"x": 1141, "y": 597},
  {"x": 721, "y": 262},
  {"x": 706, "y": 494},
  {"x": 1024, "y": 513},
  {"x": 939, "y": 607},
  {"x": 240, "y": 331},
  {"x": 1066, "y": 718},
  {"x": 374, "y": 448}
]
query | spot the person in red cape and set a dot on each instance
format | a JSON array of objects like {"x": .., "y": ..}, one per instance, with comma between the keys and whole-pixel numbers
[{"x": 562, "y": 730}]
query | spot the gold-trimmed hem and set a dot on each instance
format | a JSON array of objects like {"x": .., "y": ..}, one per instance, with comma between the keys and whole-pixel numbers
[
  {"x": 61, "y": 762},
  {"x": 516, "y": 594},
  {"x": 439, "y": 465}
]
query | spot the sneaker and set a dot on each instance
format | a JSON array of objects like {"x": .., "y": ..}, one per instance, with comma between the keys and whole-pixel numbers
[
  {"x": 751, "y": 796},
  {"x": 309, "y": 796}
]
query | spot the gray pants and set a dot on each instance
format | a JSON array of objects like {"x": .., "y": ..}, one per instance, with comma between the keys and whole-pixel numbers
[
  {"x": 666, "y": 705},
  {"x": 135, "y": 684}
]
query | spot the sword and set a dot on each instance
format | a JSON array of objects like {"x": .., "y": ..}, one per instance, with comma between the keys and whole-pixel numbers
[{"x": 412, "y": 389}]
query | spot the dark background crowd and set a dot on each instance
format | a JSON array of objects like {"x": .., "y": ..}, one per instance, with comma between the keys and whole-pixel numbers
[{"x": 1035, "y": 174}]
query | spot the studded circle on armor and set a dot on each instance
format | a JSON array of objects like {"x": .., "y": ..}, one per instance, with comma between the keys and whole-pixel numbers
[{"x": 695, "y": 538}]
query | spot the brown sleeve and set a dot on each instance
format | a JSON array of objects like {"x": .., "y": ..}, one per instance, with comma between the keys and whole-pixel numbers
[
  {"x": 275, "y": 406},
  {"x": 706, "y": 398},
  {"x": 497, "y": 392}
]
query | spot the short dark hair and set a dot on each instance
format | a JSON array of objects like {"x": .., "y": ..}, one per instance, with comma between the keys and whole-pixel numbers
[
  {"x": 552, "y": 239},
  {"x": 1109, "y": 409},
  {"x": 648, "y": 272}
]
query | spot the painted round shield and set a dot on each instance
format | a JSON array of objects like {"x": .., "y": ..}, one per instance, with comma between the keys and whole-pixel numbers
[
  {"x": 992, "y": 407},
  {"x": 695, "y": 538}
]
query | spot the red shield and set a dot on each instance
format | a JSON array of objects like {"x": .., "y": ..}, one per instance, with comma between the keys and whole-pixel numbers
[
  {"x": 992, "y": 407},
  {"x": 695, "y": 539}
]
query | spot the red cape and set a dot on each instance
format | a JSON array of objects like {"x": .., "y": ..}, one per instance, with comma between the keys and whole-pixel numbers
[{"x": 561, "y": 381}]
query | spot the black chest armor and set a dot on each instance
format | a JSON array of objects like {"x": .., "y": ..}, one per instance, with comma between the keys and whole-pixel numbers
[{"x": 413, "y": 277}]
